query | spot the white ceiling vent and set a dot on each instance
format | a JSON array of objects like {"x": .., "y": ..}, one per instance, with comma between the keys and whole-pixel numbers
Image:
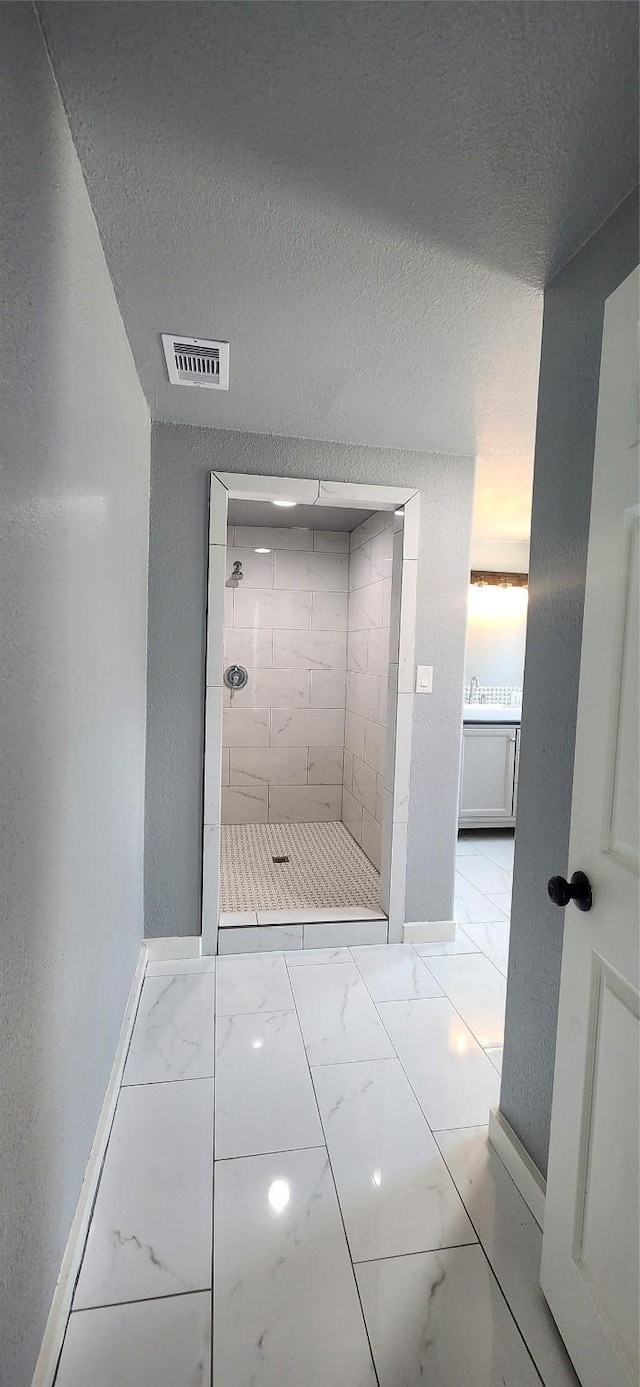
[{"x": 194, "y": 361}]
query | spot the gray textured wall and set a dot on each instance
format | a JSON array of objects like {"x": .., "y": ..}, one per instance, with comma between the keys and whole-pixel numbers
[
  {"x": 182, "y": 458},
  {"x": 567, "y": 407},
  {"x": 74, "y": 447}
]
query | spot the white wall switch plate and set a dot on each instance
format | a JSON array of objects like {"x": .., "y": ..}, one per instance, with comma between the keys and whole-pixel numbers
[{"x": 424, "y": 679}]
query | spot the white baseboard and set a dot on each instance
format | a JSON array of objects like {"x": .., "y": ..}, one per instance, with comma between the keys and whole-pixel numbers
[
  {"x": 180, "y": 946},
  {"x": 429, "y": 931},
  {"x": 47, "y": 1363},
  {"x": 523, "y": 1171}
]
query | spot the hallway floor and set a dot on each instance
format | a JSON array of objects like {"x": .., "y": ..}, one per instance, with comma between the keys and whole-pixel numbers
[{"x": 356, "y": 1227}]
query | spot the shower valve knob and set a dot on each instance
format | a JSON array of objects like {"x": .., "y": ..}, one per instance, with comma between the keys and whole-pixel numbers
[{"x": 235, "y": 677}]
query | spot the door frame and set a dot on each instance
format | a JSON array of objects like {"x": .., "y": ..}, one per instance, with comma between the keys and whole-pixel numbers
[{"x": 225, "y": 486}]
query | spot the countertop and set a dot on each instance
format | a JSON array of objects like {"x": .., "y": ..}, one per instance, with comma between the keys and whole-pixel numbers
[{"x": 479, "y": 713}]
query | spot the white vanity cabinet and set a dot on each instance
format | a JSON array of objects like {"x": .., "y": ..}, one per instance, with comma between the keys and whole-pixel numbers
[{"x": 489, "y": 776}]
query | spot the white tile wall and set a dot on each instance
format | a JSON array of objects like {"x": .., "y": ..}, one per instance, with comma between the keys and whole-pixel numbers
[
  {"x": 286, "y": 622},
  {"x": 369, "y": 582},
  {"x": 329, "y": 611}
]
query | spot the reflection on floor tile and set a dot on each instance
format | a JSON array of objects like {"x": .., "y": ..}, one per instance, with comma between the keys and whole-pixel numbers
[
  {"x": 512, "y": 1242},
  {"x": 173, "y": 1037},
  {"x": 440, "y": 1318},
  {"x": 453, "y": 1080},
  {"x": 394, "y": 973},
  {"x": 152, "y": 1343},
  {"x": 395, "y": 1192},
  {"x": 252, "y": 982},
  {"x": 478, "y": 992},
  {"x": 150, "y": 1233},
  {"x": 286, "y": 1309},
  {"x": 338, "y": 1018},
  {"x": 264, "y": 1095}
]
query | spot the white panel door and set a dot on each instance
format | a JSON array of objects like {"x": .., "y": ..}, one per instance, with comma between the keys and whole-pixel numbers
[
  {"x": 488, "y": 766},
  {"x": 591, "y": 1238}
]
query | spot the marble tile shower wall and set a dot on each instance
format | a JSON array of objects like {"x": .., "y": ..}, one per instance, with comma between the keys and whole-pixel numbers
[
  {"x": 286, "y": 622},
  {"x": 370, "y": 565}
]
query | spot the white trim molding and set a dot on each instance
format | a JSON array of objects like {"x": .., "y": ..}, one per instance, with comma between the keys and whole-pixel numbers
[
  {"x": 178, "y": 946},
  {"x": 429, "y": 931},
  {"x": 53, "y": 1338},
  {"x": 523, "y": 1171}
]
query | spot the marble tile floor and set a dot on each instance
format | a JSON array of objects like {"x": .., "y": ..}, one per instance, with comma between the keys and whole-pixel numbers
[{"x": 299, "y": 1191}]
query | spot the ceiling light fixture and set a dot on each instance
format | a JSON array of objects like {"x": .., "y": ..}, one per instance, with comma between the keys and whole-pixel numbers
[
  {"x": 285, "y": 503},
  {"x": 398, "y": 512},
  {"x": 262, "y": 551}
]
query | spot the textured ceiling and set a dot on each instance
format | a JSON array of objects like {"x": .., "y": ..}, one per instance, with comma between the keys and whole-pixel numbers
[{"x": 364, "y": 199}]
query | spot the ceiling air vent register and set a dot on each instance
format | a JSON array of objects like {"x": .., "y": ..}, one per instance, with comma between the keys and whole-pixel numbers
[{"x": 195, "y": 361}]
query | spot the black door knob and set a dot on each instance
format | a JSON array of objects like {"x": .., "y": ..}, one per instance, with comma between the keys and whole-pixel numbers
[{"x": 577, "y": 890}]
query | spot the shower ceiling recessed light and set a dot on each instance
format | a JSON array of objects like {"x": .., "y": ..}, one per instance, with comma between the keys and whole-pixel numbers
[
  {"x": 398, "y": 512},
  {"x": 262, "y": 551},
  {"x": 285, "y": 503}
]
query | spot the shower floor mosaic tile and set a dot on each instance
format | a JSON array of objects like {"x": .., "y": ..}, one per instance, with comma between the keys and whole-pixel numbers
[{"x": 326, "y": 868}]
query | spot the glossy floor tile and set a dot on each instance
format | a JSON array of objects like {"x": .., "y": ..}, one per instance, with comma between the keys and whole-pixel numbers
[
  {"x": 512, "y": 1242},
  {"x": 461, "y": 944},
  {"x": 439, "y": 1318},
  {"x": 305, "y": 958},
  {"x": 252, "y": 982},
  {"x": 453, "y": 1080},
  {"x": 264, "y": 1098},
  {"x": 167, "y": 967},
  {"x": 495, "y": 1055},
  {"x": 498, "y": 847},
  {"x": 173, "y": 1037},
  {"x": 492, "y": 939},
  {"x": 395, "y": 973},
  {"x": 470, "y": 904},
  {"x": 486, "y": 875},
  {"x": 286, "y": 1309},
  {"x": 478, "y": 992},
  {"x": 152, "y": 1343},
  {"x": 150, "y": 1233},
  {"x": 338, "y": 1018},
  {"x": 501, "y": 900},
  {"x": 404, "y": 1092},
  {"x": 395, "y": 1192}
]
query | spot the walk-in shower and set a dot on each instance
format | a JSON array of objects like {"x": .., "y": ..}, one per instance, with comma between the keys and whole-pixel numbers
[{"x": 301, "y": 721}]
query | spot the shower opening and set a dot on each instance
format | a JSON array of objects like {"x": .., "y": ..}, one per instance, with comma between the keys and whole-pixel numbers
[{"x": 309, "y": 617}]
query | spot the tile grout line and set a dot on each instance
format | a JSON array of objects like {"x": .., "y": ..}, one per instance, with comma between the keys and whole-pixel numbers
[
  {"x": 141, "y": 1300},
  {"x": 479, "y": 1242},
  {"x": 482, "y": 1246},
  {"x": 333, "y": 1178},
  {"x": 455, "y": 1008},
  {"x": 444, "y": 997}
]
